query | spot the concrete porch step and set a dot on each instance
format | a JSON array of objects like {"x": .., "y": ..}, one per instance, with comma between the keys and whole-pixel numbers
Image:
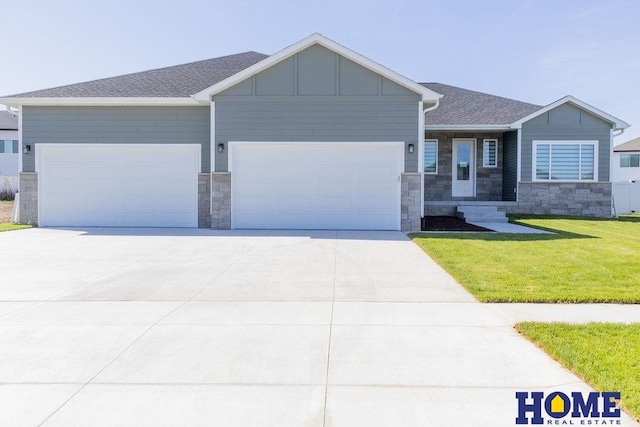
[{"x": 480, "y": 213}]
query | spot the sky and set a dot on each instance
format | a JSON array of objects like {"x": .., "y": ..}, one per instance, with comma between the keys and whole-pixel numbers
[{"x": 532, "y": 50}]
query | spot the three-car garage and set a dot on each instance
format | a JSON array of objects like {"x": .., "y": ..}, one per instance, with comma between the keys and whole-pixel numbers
[{"x": 273, "y": 185}]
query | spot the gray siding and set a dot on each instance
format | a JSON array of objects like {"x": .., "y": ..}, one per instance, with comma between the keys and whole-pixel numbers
[
  {"x": 317, "y": 95},
  {"x": 510, "y": 166},
  {"x": 115, "y": 125},
  {"x": 566, "y": 122}
]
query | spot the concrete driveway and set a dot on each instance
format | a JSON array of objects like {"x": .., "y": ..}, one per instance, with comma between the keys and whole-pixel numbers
[{"x": 195, "y": 327}]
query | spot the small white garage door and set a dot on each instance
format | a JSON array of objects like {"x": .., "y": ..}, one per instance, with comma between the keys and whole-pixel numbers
[
  {"x": 316, "y": 185},
  {"x": 118, "y": 185}
]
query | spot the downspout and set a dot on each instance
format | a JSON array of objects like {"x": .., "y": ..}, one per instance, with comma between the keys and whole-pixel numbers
[{"x": 421, "y": 145}]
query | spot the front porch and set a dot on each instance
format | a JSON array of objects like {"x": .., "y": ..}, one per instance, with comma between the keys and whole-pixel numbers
[{"x": 469, "y": 167}]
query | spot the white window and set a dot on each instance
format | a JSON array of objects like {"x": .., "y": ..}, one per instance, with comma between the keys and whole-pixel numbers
[
  {"x": 490, "y": 153},
  {"x": 629, "y": 160},
  {"x": 565, "y": 160},
  {"x": 431, "y": 156}
]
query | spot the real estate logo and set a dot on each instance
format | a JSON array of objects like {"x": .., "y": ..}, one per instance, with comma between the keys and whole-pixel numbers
[{"x": 594, "y": 408}]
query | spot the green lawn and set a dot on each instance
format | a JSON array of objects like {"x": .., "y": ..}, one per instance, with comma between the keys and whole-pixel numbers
[
  {"x": 587, "y": 260},
  {"x": 7, "y": 226},
  {"x": 605, "y": 355}
]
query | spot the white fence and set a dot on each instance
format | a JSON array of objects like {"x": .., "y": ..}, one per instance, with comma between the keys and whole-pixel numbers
[{"x": 626, "y": 197}]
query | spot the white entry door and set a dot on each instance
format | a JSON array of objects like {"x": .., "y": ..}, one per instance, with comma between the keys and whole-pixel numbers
[
  {"x": 118, "y": 185},
  {"x": 316, "y": 185},
  {"x": 464, "y": 163}
]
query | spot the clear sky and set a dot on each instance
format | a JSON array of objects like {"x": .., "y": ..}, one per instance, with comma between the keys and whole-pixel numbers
[{"x": 532, "y": 50}]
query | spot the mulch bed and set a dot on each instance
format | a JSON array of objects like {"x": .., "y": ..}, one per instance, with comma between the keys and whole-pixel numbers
[{"x": 449, "y": 223}]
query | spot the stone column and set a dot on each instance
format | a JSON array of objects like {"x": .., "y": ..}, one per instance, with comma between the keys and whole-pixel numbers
[
  {"x": 221, "y": 200},
  {"x": 410, "y": 199},
  {"x": 28, "y": 198}
]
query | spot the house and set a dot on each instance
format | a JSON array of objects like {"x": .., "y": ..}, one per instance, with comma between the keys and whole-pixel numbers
[
  {"x": 315, "y": 136},
  {"x": 8, "y": 151},
  {"x": 626, "y": 161}
]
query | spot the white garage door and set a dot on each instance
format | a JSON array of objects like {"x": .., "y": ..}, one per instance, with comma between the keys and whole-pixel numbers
[
  {"x": 123, "y": 185},
  {"x": 316, "y": 186}
]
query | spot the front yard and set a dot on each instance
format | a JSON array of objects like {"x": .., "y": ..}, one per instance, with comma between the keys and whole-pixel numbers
[
  {"x": 587, "y": 260},
  {"x": 605, "y": 355},
  {"x": 6, "y": 207}
]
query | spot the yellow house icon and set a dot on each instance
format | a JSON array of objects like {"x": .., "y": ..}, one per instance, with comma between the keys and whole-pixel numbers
[{"x": 557, "y": 404}]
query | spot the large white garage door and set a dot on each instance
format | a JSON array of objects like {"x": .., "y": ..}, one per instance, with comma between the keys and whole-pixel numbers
[
  {"x": 118, "y": 185},
  {"x": 316, "y": 186}
]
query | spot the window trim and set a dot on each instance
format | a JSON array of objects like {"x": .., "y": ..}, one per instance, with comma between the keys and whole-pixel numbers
[
  {"x": 437, "y": 156},
  {"x": 534, "y": 155},
  {"x": 484, "y": 157},
  {"x": 628, "y": 154}
]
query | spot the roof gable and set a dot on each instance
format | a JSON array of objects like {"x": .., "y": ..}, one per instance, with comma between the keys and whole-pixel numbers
[
  {"x": 633, "y": 145},
  {"x": 316, "y": 39},
  {"x": 8, "y": 120},
  {"x": 317, "y": 71},
  {"x": 616, "y": 122}
]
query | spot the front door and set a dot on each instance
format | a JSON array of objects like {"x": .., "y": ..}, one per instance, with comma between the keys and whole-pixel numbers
[{"x": 464, "y": 161}]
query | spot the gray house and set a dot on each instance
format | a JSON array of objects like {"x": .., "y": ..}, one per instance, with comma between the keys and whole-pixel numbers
[{"x": 315, "y": 136}]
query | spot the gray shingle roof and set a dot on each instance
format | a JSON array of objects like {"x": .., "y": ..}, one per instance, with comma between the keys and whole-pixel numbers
[
  {"x": 178, "y": 81},
  {"x": 457, "y": 107},
  {"x": 8, "y": 121},
  {"x": 633, "y": 145},
  {"x": 467, "y": 107}
]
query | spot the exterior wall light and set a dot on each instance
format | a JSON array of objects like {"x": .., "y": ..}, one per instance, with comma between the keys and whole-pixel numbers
[
  {"x": 220, "y": 147},
  {"x": 412, "y": 147},
  {"x": 26, "y": 149}
]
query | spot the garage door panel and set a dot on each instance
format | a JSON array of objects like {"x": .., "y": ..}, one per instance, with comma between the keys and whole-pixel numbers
[
  {"x": 372, "y": 205},
  {"x": 98, "y": 202},
  {"x": 335, "y": 204},
  {"x": 290, "y": 185},
  {"x": 294, "y": 220},
  {"x": 341, "y": 221},
  {"x": 105, "y": 217},
  {"x": 299, "y": 205},
  {"x": 118, "y": 185},
  {"x": 255, "y": 220},
  {"x": 316, "y": 186}
]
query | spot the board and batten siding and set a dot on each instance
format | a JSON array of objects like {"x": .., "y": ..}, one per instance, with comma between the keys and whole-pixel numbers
[
  {"x": 566, "y": 123},
  {"x": 510, "y": 166},
  {"x": 115, "y": 125},
  {"x": 317, "y": 96}
]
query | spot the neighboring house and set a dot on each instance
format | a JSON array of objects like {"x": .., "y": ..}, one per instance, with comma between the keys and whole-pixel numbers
[
  {"x": 626, "y": 161},
  {"x": 315, "y": 136},
  {"x": 8, "y": 151}
]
